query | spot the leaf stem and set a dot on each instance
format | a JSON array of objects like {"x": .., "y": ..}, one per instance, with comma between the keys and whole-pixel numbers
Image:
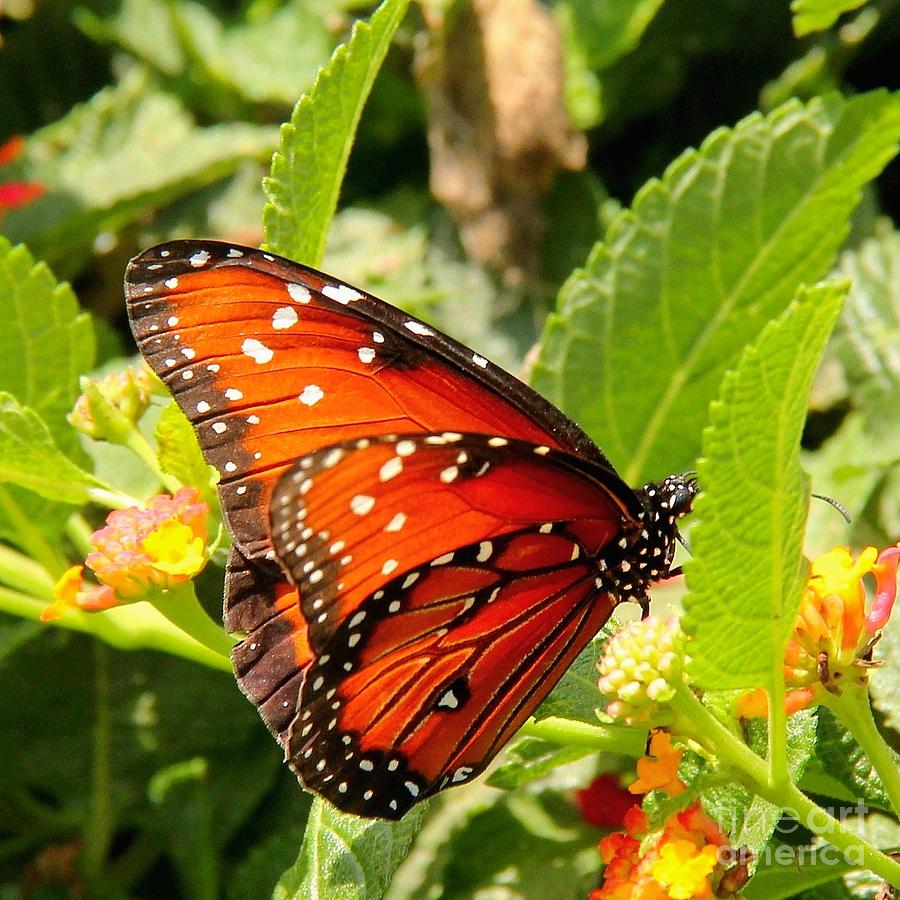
[
  {"x": 605, "y": 738},
  {"x": 707, "y": 730}
]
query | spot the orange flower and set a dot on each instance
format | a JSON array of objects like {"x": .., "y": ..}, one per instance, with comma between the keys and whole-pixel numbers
[
  {"x": 683, "y": 861},
  {"x": 659, "y": 769},
  {"x": 834, "y": 630},
  {"x": 160, "y": 546},
  {"x": 16, "y": 193}
]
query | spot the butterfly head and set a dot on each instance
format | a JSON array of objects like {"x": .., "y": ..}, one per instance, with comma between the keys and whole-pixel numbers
[{"x": 665, "y": 503}]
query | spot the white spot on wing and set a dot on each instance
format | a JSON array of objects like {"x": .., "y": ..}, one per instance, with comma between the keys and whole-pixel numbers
[
  {"x": 391, "y": 469},
  {"x": 396, "y": 523},
  {"x": 366, "y": 354},
  {"x": 342, "y": 293},
  {"x": 200, "y": 258},
  {"x": 479, "y": 360},
  {"x": 234, "y": 394},
  {"x": 390, "y": 565},
  {"x": 284, "y": 317},
  {"x": 298, "y": 292},
  {"x": 171, "y": 283},
  {"x": 418, "y": 328},
  {"x": 257, "y": 351},
  {"x": 362, "y": 504},
  {"x": 311, "y": 395}
]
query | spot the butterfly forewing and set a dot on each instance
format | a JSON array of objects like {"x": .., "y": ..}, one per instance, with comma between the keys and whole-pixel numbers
[{"x": 271, "y": 361}]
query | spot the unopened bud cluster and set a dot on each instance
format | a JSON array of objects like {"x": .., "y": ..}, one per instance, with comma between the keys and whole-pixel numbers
[{"x": 641, "y": 667}]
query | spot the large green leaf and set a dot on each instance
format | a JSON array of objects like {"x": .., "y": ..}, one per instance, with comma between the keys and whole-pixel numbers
[
  {"x": 706, "y": 256},
  {"x": 309, "y": 165},
  {"x": 266, "y": 58},
  {"x": 867, "y": 337},
  {"x": 127, "y": 150},
  {"x": 747, "y": 573},
  {"x": 46, "y": 342},
  {"x": 347, "y": 858},
  {"x": 30, "y": 458}
]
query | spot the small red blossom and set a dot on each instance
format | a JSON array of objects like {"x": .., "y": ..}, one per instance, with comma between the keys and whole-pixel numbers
[
  {"x": 834, "y": 629},
  {"x": 159, "y": 546},
  {"x": 16, "y": 193},
  {"x": 604, "y": 802}
]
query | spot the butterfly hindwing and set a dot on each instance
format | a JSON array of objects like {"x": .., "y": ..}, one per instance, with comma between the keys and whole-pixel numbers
[{"x": 443, "y": 605}]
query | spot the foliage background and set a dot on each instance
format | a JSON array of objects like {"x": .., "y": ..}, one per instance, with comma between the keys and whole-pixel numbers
[{"x": 140, "y": 774}]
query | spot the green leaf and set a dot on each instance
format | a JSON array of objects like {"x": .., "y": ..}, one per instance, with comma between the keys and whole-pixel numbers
[
  {"x": 577, "y": 695},
  {"x": 867, "y": 336},
  {"x": 46, "y": 342},
  {"x": 309, "y": 165},
  {"x": 817, "y": 15},
  {"x": 749, "y": 820},
  {"x": 747, "y": 573},
  {"x": 884, "y": 682},
  {"x": 347, "y": 858},
  {"x": 528, "y": 759},
  {"x": 30, "y": 458},
  {"x": 180, "y": 455},
  {"x": 127, "y": 150},
  {"x": 606, "y": 29},
  {"x": 706, "y": 256},
  {"x": 789, "y": 872},
  {"x": 843, "y": 759},
  {"x": 264, "y": 59},
  {"x": 533, "y": 846}
]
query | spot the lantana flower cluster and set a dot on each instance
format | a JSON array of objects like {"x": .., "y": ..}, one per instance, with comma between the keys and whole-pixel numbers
[{"x": 139, "y": 549}]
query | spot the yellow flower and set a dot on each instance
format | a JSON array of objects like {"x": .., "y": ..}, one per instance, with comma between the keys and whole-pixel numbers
[
  {"x": 834, "y": 629},
  {"x": 684, "y": 870}
]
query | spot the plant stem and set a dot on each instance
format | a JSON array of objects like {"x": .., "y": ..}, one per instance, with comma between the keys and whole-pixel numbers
[
  {"x": 604, "y": 738},
  {"x": 126, "y": 627},
  {"x": 140, "y": 446},
  {"x": 30, "y": 537},
  {"x": 855, "y": 711},
  {"x": 705, "y": 728},
  {"x": 181, "y": 607},
  {"x": 24, "y": 574}
]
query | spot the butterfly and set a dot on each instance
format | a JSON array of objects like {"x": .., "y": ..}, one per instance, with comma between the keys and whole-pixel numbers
[{"x": 421, "y": 543}]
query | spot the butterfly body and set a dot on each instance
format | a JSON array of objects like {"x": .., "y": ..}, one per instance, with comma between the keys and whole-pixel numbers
[{"x": 422, "y": 544}]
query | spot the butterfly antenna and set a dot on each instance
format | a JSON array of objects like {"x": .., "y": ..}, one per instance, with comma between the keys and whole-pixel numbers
[{"x": 838, "y": 506}]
